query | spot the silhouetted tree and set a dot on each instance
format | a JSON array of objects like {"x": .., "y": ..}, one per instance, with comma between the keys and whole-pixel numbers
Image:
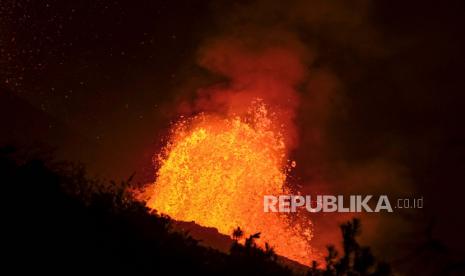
[
  {"x": 237, "y": 234},
  {"x": 250, "y": 241},
  {"x": 314, "y": 270},
  {"x": 356, "y": 260},
  {"x": 331, "y": 260},
  {"x": 269, "y": 252}
]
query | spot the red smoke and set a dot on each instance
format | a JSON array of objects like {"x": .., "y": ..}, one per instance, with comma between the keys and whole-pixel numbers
[{"x": 270, "y": 70}]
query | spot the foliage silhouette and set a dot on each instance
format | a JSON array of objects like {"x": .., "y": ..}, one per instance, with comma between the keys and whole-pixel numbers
[
  {"x": 357, "y": 260},
  {"x": 58, "y": 220}
]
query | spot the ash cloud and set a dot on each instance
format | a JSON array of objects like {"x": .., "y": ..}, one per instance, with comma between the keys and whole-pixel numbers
[
  {"x": 268, "y": 67},
  {"x": 294, "y": 57}
]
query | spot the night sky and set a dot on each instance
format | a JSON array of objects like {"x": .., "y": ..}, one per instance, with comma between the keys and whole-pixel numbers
[{"x": 100, "y": 82}]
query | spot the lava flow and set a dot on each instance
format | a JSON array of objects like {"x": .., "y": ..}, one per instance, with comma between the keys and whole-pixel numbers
[{"x": 216, "y": 170}]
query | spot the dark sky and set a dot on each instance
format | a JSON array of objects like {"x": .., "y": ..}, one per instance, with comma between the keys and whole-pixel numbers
[
  {"x": 100, "y": 69},
  {"x": 100, "y": 80}
]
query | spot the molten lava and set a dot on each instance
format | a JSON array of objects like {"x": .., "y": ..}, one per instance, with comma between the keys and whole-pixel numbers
[{"x": 215, "y": 171}]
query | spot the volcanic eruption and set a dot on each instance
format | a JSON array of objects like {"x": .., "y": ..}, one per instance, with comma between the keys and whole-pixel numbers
[{"x": 221, "y": 161}]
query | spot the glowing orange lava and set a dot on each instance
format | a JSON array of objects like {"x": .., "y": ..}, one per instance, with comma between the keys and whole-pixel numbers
[{"x": 215, "y": 171}]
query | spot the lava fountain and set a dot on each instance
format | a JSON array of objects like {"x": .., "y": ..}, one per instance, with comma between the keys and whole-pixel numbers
[{"x": 215, "y": 171}]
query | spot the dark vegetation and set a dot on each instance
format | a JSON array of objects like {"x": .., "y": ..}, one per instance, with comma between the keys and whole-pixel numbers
[{"x": 58, "y": 220}]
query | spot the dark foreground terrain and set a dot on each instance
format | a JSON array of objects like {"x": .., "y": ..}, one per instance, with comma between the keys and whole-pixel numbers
[{"x": 58, "y": 220}]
